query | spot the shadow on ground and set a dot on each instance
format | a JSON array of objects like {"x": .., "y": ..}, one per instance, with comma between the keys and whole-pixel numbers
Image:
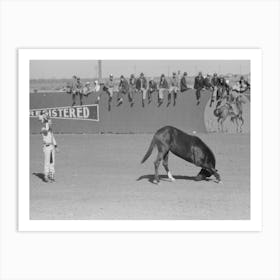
[
  {"x": 150, "y": 178},
  {"x": 39, "y": 175}
]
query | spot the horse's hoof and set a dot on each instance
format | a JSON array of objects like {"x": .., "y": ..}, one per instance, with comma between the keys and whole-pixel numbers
[
  {"x": 155, "y": 181},
  {"x": 172, "y": 179},
  {"x": 199, "y": 178}
]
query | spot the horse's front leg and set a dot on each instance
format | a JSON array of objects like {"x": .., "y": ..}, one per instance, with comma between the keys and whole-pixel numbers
[
  {"x": 237, "y": 126},
  {"x": 219, "y": 125},
  {"x": 222, "y": 125},
  {"x": 242, "y": 122},
  {"x": 165, "y": 165}
]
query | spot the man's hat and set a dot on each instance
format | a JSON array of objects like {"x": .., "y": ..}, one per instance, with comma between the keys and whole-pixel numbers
[
  {"x": 88, "y": 83},
  {"x": 142, "y": 74},
  {"x": 185, "y": 73},
  {"x": 174, "y": 73}
]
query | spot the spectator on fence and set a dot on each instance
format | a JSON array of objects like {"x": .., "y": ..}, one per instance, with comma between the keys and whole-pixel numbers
[
  {"x": 207, "y": 82},
  {"x": 152, "y": 88},
  {"x": 77, "y": 88},
  {"x": 163, "y": 87},
  {"x": 74, "y": 89},
  {"x": 183, "y": 82},
  {"x": 132, "y": 89},
  {"x": 243, "y": 84},
  {"x": 141, "y": 86},
  {"x": 174, "y": 88},
  {"x": 96, "y": 89},
  {"x": 198, "y": 86},
  {"x": 223, "y": 90},
  {"x": 80, "y": 90},
  {"x": 86, "y": 90},
  {"x": 123, "y": 89},
  {"x": 179, "y": 79},
  {"x": 109, "y": 89},
  {"x": 215, "y": 85}
]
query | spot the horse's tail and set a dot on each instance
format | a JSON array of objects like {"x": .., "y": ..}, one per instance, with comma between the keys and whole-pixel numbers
[{"x": 149, "y": 152}]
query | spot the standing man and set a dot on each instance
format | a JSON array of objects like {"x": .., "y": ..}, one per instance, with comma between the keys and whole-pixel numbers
[
  {"x": 198, "y": 86},
  {"x": 174, "y": 88},
  {"x": 141, "y": 86},
  {"x": 48, "y": 148},
  {"x": 183, "y": 82},
  {"x": 123, "y": 89}
]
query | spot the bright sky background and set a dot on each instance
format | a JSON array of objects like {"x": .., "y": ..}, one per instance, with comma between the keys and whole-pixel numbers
[{"x": 48, "y": 69}]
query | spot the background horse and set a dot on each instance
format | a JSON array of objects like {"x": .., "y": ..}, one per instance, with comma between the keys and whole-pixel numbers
[{"x": 231, "y": 108}]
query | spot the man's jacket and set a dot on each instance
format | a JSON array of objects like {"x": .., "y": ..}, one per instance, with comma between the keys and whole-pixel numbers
[{"x": 198, "y": 82}]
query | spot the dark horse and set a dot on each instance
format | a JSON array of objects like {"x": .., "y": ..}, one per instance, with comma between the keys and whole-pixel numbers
[{"x": 185, "y": 146}]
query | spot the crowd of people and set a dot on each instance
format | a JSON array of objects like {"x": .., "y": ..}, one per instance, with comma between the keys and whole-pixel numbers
[{"x": 164, "y": 88}]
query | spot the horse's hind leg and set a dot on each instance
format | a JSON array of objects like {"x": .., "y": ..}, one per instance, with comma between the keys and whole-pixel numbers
[
  {"x": 165, "y": 165},
  {"x": 157, "y": 163}
]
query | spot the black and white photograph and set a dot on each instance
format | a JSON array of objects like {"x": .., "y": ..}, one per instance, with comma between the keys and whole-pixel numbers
[
  {"x": 131, "y": 139},
  {"x": 139, "y": 139}
]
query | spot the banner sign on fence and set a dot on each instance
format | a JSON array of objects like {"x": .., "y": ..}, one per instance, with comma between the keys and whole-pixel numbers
[{"x": 84, "y": 112}]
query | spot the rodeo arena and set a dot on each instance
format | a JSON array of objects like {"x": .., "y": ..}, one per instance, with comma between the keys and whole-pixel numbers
[{"x": 135, "y": 147}]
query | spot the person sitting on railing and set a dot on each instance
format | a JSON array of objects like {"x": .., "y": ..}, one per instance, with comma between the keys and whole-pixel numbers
[
  {"x": 152, "y": 89},
  {"x": 73, "y": 89},
  {"x": 86, "y": 90},
  {"x": 123, "y": 89},
  {"x": 198, "y": 85},
  {"x": 163, "y": 87},
  {"x": 215, "y": 85},
  {"x": 109, "y": 88},
  {"x": 132, "y": 89},
  {"x": 174, "y": 88},
  {"x": 207, "y": 82},
  {"x": 241, "y": 86},
  {"x": 141, "y": 86},
  {"x": 183, "y": 82},
  {"x": 223, "y": 90},
  {"x": 79, "y": 90},
  {"x": 95, "y": 89}
]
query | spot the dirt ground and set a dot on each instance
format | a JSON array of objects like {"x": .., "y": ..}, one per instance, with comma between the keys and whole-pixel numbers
[{"x": 100, "y": 177}]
